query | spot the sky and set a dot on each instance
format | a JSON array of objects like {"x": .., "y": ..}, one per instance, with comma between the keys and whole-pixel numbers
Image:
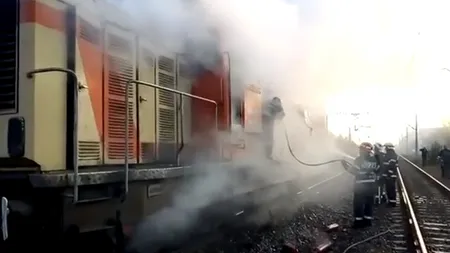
[{"x": 402, "y": 48}]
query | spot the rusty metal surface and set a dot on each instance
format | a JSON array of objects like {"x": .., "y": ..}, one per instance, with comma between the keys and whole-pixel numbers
[{"x": 104, "y": 176}]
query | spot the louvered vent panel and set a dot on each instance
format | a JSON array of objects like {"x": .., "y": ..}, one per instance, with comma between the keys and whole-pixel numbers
[
  {"x": 89, "y": 32},
  {"x": 166, "y": 64},
  {"x": 116, "y": 119},
  {"x": 120, "y": 71},
  {"x": 166, "y": 97},
  {"x": 117, "y": 150},
  {"x": 118, "y": 44},
  {"x": 8, "y": 55},
  {"x": 89, "y": 151},
  {"x": 166, "y": 125}
]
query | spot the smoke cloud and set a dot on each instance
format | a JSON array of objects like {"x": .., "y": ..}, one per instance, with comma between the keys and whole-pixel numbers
[{"x": 300, "y": 51}]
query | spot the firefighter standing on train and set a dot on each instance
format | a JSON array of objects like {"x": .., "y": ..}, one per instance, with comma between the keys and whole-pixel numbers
[
  {"x": 379, "y": 154},
  {"x": 390, "y": 164},
  {"x": 364, "y": 169},
  {"x": 272, "y": 111}
]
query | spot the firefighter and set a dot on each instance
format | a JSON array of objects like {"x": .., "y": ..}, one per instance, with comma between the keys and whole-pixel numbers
[
  {"x": 272, "y": 111},
  {"x": 379, "y": 154},
  {"x": 364, "y": 168},
  {"x": 390, "y": 164},
  {"x": 444, "y": 158}
]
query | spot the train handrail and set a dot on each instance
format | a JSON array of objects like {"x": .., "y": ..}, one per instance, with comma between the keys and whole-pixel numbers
[
  {"x": 127, "y": 117},
  {"x": 179, "y": 113},
  {"x": 414, "y": 221},
  {"x": 77, "y": 87},
  {"x": 426, "y": 173},
  {"x": 181, "y": 131}
]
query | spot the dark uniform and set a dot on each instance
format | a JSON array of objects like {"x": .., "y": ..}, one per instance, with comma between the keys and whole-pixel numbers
[
  {"x": 424, "y": 152},
  {"x": 390, "y": 164},
  {"x": 364, "y": 168},
  {"x": 444, "y": 157},
  {"x": 379, "y": 154},
  {"x": 272, "y": 111}
]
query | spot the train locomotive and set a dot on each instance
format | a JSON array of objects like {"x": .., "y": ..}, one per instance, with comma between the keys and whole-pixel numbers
[{"x": 97, "y": 125}]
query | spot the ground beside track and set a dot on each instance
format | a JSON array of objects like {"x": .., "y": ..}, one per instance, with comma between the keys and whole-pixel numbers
[
  {"x": 435, "y": 171},
  {"x": 323, "y": 204}
]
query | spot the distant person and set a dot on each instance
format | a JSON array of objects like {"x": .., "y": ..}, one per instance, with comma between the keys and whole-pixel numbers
[
  {"x": 444, "y": 158},
  {"x": 271, "y": 112},
  {"x": 424, "y": 152},
  {"x": 364, "y": 169},
  {"x": 390, "y": 164}
]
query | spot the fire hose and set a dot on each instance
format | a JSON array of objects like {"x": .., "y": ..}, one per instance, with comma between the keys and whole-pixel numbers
[
  {"x": 302, "y": 162},
  {"x": 324, "y": 163}
]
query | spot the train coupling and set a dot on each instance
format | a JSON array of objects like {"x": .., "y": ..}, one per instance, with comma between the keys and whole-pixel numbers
[{"x": 4, "y": 218}]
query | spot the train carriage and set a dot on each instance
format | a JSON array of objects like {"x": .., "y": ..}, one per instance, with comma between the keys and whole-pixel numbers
[{"x": 64, "y": 70}]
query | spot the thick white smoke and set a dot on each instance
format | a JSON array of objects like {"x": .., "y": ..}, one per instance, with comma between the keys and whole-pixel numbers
[{"x": 269, "y": 43}]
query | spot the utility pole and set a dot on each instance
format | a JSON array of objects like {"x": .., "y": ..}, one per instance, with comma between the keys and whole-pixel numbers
[
  {"x": 350, "y": 134},
  {"x": 416, "y": 131},
  {"x": 406, "y": 140},
  {"x": 416, "y": 135}
]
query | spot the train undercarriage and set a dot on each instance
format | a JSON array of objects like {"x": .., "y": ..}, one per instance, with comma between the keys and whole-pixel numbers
[{"x": 103, "y": 219}]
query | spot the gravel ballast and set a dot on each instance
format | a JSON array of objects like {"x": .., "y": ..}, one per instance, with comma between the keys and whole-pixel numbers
[{"x": 324, "y": 204}]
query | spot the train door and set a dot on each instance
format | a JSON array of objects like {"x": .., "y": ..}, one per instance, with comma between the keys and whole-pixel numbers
[
  {"x": 147, "y": 104},
  {"x": 89, "y": 62}
]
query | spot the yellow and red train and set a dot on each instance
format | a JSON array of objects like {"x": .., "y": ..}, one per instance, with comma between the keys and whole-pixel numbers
[{"x": 64, "y": 69}]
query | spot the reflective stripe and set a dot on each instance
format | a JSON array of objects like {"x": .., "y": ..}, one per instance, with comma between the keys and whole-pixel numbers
[
  {"x": 386, "y": 163},
  {"x": 385, "y": 175},
  {"x": 393, "y": 175},
  {"x": 365, "y": 181},
  {"x": 390, "y": 171},
  {"x": 358, "y": 218},
  {"x": 368, "y": 217}
]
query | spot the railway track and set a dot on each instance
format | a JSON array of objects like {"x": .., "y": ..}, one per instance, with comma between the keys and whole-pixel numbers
[{"x": 427, "y": 203}]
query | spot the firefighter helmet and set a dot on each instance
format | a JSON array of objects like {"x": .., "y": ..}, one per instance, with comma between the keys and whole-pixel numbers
[
  {"x": 389, "y": 145},
  {"x": 366, "y": 146},
  {"x": 378, "y": 148}
]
